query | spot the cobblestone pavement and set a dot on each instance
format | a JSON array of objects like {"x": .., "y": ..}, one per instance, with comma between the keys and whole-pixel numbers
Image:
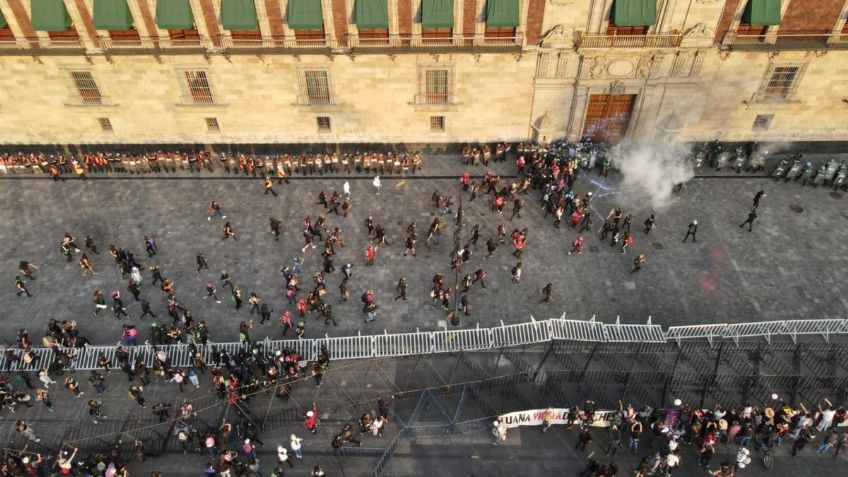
[{"x": 788, "y": 267}]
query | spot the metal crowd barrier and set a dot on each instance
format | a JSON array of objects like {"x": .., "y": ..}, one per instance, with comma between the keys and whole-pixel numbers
[{"x": 453, "y": 340}]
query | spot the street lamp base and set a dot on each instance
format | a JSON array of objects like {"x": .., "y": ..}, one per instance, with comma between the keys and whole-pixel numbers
[{"x": 455, "y": 318}]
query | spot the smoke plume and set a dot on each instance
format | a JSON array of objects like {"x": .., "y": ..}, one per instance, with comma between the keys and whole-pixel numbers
[{"x": 651, "y": 166}]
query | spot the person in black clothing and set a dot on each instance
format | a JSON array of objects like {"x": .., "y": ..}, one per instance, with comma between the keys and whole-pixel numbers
[
  {"x": 757, "y": 198},
  {"x": 265, "y": 313},
  {"x": 201, "y": 262},
  {"x": 752, "y": 216},
  {"x": 145, "y": 310},
  {"x": 548, "y": 292},
  {"x": 89, "y": 244},
  {"x": 692, "y": 230},
  {"x": 118, "y": 306},
  {"x": 276, "y": 224},
  {"x": 583, "y": 439},
  {"x": 132, "y": 287},
  {"x": 649, "y": 224}
]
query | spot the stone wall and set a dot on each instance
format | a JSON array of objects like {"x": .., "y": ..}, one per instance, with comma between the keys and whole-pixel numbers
[
  {"x": 711, "y": 89},
  {"x": 257, "y": 99}
]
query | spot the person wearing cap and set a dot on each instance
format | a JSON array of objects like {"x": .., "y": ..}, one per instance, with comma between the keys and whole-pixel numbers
[
  {"x": 249, "y": 448},
  {"x": 499, "y": 431},
  {"x": 692, "y": 229},
  {"x": 283, "y": 456},
  {"x": 311, "y": 420},
  {"x": 296, "y": 446}
]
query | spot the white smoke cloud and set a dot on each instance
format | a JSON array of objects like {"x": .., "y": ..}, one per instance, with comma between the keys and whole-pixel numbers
[{"x": 651, "y": 165}]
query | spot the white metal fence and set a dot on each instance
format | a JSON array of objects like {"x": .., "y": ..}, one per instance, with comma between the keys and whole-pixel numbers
[{"x": 452, "y": 340}]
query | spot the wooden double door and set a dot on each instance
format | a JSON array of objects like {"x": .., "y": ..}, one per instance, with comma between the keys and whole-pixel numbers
[{"x": 608, "y": 116}]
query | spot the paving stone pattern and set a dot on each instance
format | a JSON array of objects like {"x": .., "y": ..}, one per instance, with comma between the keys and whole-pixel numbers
[{"x": 788, "y": 267}]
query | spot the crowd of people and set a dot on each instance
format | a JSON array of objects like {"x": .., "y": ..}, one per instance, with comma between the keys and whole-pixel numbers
[
  {"x": 236, "y": 378},
  {"x": 278, "y": 166},
  {"x": 741, "y": 430}
]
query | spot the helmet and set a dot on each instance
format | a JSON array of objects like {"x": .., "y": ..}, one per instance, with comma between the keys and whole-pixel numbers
[
  {"x": 281, "y": 449},
  {"x": 695, "y": 222},
  {"x": 310, "y": 414}
]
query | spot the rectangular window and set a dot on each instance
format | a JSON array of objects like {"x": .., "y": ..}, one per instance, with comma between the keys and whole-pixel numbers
[
  {"x": 781, "y": 82},
  {"x": 198, "y": 87},
  {"x": 125, "y": 35},
  {"x": 212, "y": 125},
  {"x": 436, "y": 86},
  {"x": 105, "y": 124},
  {"x": 439, "y": 36},
  {"x": 245, "y": 35},
  {"x": 323, "y": 123},
  {"x": 66, "y": 35},
  {"x": 613, "y": 29},
  {"x": 762, "y": 122},
  {"x": 746, "y": 29},
  {"x": 86, "y": 87},
  {"x": 437, "y": 123},
  {"x": 317, "y": 86},
  {"x": 500, "y": 32},
  {"x": 191, "y": 34},
  {"x": 309, "y": 35},
  {"x": 374, "y": 34}
]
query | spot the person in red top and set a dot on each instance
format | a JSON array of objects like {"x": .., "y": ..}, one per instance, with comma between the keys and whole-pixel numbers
[
  {"x": 311, "y": 419},
  {"x": 577, "y": 245},
  {"x": 301, "y": 307},
  {"x": 285, "y": 320},
  {"x": 466, "y": 181},
  {"x": 575, "y": 218},
  {"x": 520, "y": 164},
  {"x": 370, "y": 255},
  {"x": 518, "y": 241}
]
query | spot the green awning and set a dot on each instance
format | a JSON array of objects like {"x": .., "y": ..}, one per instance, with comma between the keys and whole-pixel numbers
[
  {"x": 634, "y": 12},
  {"x": 239, "y": 15},
  {"x": 305, "y": 15},
  {"x": 762, "y": 12},
  {"x": 502, "y": 13},
  {"x": 437, "y": 14},
  {"x": 174, "y": 15},
  {"x": 372, "y": 14},
  {"x": 3, "y": 22},
  {"x": 50, "y": 15},
  {"x": 112, "y": 15}
]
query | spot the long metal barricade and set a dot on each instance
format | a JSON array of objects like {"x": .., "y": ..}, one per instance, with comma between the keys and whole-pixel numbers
[{"x": 449, "y": 340}]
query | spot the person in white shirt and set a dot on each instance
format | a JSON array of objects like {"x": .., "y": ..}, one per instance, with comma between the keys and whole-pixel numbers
[
  {"x": 377, "y": 184},
  {"x": 826, "y": 417},
  {"x": 296, "y": 446},
  {"x": 346, "y": 189}
]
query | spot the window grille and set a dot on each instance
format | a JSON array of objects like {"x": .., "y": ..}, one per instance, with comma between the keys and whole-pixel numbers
[
  {"x": 317, "y": 86},
  {"x": 86, "y": 87},
  {"x": 198, "y": 87},
  {"x": 437, "y": 86}
]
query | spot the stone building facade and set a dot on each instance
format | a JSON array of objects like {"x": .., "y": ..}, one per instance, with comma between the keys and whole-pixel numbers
[{"x": 307, "y": 71}]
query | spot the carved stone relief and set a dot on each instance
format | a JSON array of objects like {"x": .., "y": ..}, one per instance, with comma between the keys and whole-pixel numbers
[
  {"x": 597, "y": 67},
  {"x": 700, "y": 30},
  {"x": 643, "y": 69},
  {"x": 558, "y": 36}
]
